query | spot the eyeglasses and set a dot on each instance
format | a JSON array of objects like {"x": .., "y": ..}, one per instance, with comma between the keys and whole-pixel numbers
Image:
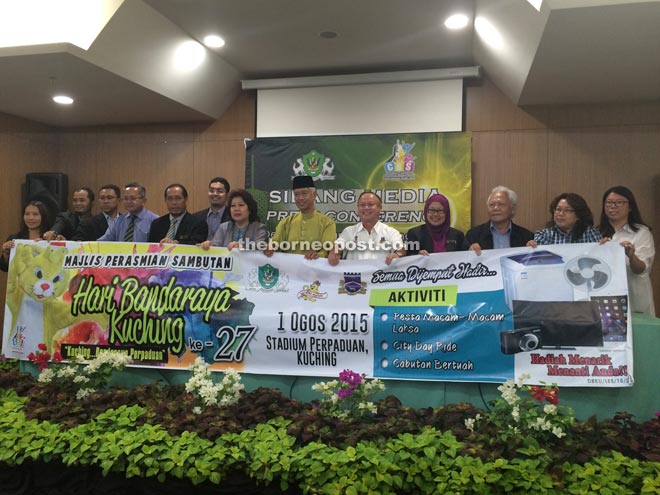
[
  {"x": 564, "y": 210},
  {"x": 434, "y": 211},
  {"x": 618, "y": 203},
  {"x": 130, "y": 199}
]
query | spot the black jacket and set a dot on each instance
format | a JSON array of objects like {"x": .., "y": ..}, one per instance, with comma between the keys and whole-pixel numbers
[
  {"x": 91, "y": 229},
  {"x": 482, "y": 235},
  {"x": 67, "y": 222},
  {"x": 191, "y": 230},
  {"x": 454, "y": 240}
]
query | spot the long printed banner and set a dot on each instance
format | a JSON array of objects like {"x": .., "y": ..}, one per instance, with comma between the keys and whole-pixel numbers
[{"x": 559, "y": 313}]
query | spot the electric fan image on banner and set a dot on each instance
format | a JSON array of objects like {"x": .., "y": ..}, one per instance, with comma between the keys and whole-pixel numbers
[{"x": 587, "y": 275}]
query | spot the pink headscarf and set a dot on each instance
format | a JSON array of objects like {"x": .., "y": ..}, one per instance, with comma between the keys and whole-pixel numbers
[{"x": 439, "y": 232}]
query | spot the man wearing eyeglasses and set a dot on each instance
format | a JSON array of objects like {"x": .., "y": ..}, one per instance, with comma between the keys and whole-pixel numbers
[
  {"x": 370, "y": 239},
  {"x": 178, "y": 226},
  {"x": 307, "y": 232},
  {"x": 499, "y": 232},
  {"x": 134, "y": 225},
  {"x": 217, "y": 212},
  {"x": 92, "y": 228}
]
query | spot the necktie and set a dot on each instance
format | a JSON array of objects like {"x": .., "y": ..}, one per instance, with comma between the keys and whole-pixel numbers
[
  {"x": 213, "y": 221},
  {"x": 171, "y": 232},
  {"x": 128, "y": 236}
]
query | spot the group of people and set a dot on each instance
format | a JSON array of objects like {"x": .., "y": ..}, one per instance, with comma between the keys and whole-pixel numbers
[
  {"x": 231, "y": 221},
  {"x": 571, "y": 221}
]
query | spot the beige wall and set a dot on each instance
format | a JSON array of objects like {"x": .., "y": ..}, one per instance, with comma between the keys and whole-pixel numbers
[
  {"x": 539, "y": 152},
  {"x": 160, "y": 154},
  {"x": 25, "y": 147}
]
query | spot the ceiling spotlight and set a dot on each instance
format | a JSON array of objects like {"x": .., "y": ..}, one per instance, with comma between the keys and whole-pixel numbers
[
  {"x": 189, "y": 55},
  {"x": 456, "y": 21},
  {"x": 63, "y": 99},
  {"x": 214, "y": 41}
]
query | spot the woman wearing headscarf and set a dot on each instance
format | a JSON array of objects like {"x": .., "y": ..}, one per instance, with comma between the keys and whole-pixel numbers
[{"x": 436, "y": 235}]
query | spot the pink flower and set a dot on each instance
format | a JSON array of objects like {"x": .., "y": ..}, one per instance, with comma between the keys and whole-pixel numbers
[
  {"x": 342, "y": 393},
  {"x": 351, "y": 378}
]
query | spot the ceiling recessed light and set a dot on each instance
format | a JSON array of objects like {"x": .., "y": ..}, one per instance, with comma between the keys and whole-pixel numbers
[
  {"x": 63, "y": 99},
  {"x": 214, "y": 41},
  {"x": 328, "y": 35},
  {"x": 189, "y": 55},
  {"x": 456, "y": 21}
]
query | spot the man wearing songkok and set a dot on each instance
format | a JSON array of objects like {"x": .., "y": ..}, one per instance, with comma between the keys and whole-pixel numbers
[{"x": 307, "y": 232}]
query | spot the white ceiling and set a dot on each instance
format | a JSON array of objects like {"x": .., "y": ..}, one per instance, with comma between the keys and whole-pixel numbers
[{"x": 572, "y": 51}]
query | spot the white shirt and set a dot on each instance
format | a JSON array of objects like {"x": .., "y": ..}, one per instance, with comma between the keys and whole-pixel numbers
[
  {"x": 362, "y": 245},
  {"x": 640, "y": 290}
]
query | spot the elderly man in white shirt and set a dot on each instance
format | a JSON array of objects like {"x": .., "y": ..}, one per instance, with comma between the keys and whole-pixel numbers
[{"x": 369, "y": 239}]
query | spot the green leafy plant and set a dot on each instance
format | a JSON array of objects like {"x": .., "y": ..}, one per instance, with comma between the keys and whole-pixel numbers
[{"x": 152, "y": 432}]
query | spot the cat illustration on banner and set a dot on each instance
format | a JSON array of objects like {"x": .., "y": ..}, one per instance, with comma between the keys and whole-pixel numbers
[{"x": 35, "y": 287}]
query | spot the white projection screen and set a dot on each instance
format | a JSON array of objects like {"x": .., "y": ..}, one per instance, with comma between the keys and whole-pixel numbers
[{"x": 378, "y": 108}]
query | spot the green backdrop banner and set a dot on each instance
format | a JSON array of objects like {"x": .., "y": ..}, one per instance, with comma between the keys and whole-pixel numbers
[{"x": 403, "y": 168}]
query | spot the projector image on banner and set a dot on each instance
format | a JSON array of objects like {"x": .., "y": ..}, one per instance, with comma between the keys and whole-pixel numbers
[{"x": 561, "y": 303}]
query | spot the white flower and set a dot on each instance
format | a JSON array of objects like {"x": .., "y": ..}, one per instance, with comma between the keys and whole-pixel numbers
[
  {"x": 66, "y": 371},
  {"x": 550, "y": 409},
  {"x": 84, "y": 392},
  {"x": 515, "y": 413},
  {"x": 557, "y": 431},
  {"x": 469, "y": 423},
  {"x": 80, "y": 379},
  {"x": 368, "y": 406},
  {"x": 522, "y": 378},
  {"x": 197, "y": 410},
  {"x": 46, "y": 375}
]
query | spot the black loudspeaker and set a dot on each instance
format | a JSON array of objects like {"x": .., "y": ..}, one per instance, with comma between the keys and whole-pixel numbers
[{"x": 38, "y": 185}]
